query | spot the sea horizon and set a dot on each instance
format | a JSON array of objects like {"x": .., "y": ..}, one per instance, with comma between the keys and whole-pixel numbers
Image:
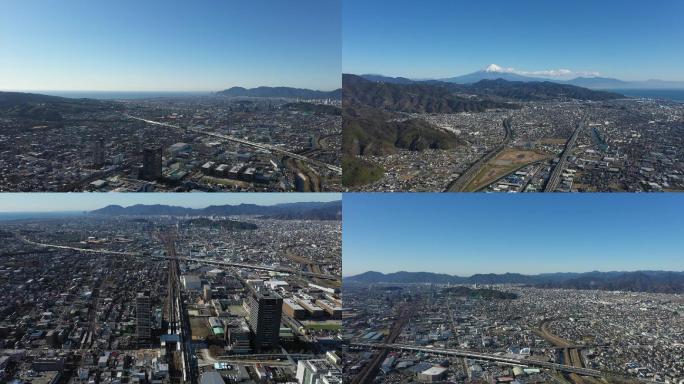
[
  {"x": 118, "y": 95},
  {"x": 7, "y": 216},
  {"x": 650, "y": 93}
]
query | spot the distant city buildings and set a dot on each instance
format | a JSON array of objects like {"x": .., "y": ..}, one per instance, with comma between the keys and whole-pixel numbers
[
  {"x": 223, "y": 145},
  {"x": 104, "y": 319}
]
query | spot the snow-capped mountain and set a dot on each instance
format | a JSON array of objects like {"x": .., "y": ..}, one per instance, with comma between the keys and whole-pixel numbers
[
  {"x": 494, "y": 71},
  {"x": 491, "y": 72}
]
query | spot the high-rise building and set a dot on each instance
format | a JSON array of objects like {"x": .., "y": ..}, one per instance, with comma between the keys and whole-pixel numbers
[
  {"x": 264, "y": 319},
  {"x": 143, "y": 317},
  {"x": 97, "y": 148},
  {"x": 152, "y": 163},
  {"x": 207, "y": 292}
]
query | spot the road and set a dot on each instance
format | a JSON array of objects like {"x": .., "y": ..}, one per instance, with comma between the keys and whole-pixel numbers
[
  {"x": 571, "y": 353},
  {"x": 554, "y": 179},
  {"x": 466, "y": 177},
  {"x": 266, "y": 147},
  {"x": 193, "y": 259},
  {"x": 482, "y": 356}
]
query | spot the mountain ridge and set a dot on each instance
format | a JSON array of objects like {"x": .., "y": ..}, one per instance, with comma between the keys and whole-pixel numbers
[
  {"x": 633, "y": 281},
  {"x": 288, "y": 211},
  {"x": 494, "y": 72}
]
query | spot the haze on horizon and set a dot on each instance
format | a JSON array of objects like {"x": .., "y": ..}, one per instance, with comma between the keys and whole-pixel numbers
[
  {"x": 64, "y": 202},
  {"x": 467, "y": 234},
  {"x": 629, "y": 40},
  {"x": 207, "y": 45}
]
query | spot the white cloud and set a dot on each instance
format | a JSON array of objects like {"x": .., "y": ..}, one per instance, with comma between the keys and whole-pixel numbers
[{"x": 544, "y": 73}]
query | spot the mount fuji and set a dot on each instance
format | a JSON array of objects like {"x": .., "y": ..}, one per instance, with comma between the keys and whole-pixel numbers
[{"x": 491, "y": 72}]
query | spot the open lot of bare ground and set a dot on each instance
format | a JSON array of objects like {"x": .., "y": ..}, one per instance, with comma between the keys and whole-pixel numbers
[{"x": 509, "y": 160}]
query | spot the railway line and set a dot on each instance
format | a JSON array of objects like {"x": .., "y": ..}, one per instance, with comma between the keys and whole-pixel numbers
[
  {"x": 178, "y": 322},
  {"x": 370, "y": 371}
]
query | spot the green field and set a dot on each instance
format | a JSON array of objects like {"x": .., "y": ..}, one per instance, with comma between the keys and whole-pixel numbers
[{"x": 323, "y": 326}]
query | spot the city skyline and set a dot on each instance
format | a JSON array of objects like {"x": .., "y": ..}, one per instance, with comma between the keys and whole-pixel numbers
[
  {"x": 205, "y": 46},
  {"x": 466, "y": 234},
  {"x": 66, "y": 202},
  {"x": 534, "y": 38}
]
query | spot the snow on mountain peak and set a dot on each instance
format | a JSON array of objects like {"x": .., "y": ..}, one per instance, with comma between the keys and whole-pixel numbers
[{"x": 493, "y": 68}]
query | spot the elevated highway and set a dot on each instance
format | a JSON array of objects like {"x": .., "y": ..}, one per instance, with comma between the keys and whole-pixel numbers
[
  {"x": 482, "y": 356},
  {"x": 554, "y": 179},
  {"x": 267, "y": 147},
  {"x": 193, "y": 259}
]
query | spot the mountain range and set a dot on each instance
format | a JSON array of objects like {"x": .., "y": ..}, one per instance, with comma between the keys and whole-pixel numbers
[
  {"x": 435, "y": 96},
  {"x": 638, "y": 281},
  {"x": 494, "y": 72},
  {"x": 281, "y": 92},
  {"x": 48, "y": 109},
  {"x": 369, "y": 109},
  {"x": 289, "y": 211}
]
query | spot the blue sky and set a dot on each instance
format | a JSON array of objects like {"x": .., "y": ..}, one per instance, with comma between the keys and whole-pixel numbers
[
  {"x": 51, "y": 202},
  {"x": 627, "y": 39},
  {"x": 169, "y": 45},
  {"x": 464, "y": 234}
]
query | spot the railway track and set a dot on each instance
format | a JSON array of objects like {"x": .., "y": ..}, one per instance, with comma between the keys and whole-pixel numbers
[{"x": 370, "y": 370}]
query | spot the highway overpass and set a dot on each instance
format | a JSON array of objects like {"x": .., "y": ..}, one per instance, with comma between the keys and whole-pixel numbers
[{"x": 482, "y": 356}]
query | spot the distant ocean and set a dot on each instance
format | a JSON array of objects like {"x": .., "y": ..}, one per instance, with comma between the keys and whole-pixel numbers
[
  {"x": 669, "y": 94},
  {"x": 119, "y": 95},
  {"x": 5, "y": 216}
]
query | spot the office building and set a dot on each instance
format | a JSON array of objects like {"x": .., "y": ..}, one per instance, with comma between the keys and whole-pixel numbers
[
  {"x": 98, "y": 152},
  {"x": 143, "y": 317},
  {"x": 152, "y": 163},
  {"x": 264, "y": 319}
]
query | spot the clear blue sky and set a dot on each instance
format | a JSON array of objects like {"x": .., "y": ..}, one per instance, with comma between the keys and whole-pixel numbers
[
  {"x": 464, "y": 234},
  {"x": 627, "y": 39},
  {"x": 55, "y": 202},
  {"x": 169, "y": 45}
]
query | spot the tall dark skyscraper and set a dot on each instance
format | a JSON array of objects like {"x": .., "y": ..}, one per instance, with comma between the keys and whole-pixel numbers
[
  {"x": 97, "y": 147},
  {"x": 143, "y": 317},
  {"x": 264, "y": 319},
  {"x": 152, "y": 163}
]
